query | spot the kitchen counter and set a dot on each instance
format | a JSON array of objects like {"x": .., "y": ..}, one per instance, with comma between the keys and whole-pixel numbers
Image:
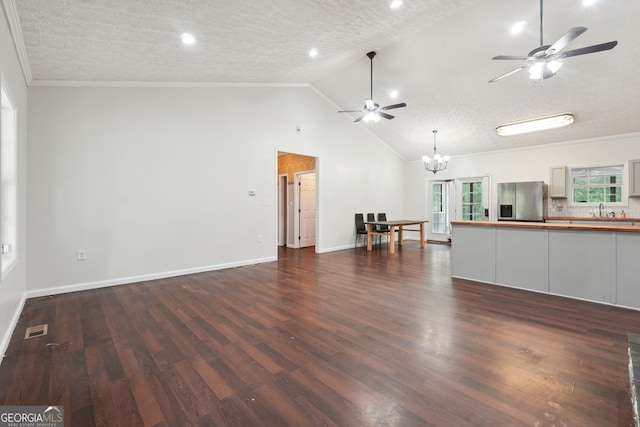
[
  {"x": 594, "y": 261},
  {"x": 553, "y": 226}
]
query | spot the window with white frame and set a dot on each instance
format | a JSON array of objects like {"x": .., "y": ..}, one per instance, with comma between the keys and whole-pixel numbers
[
  {"x": 8, "y": 182},
  {"x": 440, "y": 208},
  {"x": 594, "y": 185}
]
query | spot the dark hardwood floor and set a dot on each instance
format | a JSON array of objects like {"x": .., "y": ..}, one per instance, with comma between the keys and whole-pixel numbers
[{"x": 350, "y": 338}]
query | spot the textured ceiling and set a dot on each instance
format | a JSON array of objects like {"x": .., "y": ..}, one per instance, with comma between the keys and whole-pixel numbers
[{"x": 437, "y": 54}]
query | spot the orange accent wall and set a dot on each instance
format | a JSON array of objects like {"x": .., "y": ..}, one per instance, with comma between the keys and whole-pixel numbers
[{"x": 292, "y": 163}]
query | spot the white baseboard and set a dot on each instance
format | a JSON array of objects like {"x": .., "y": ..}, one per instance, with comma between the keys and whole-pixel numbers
[
  {"x": 141, "y": 278},
  {"x": 337, "y": 248},
  {"x": 6, "y": 339}
]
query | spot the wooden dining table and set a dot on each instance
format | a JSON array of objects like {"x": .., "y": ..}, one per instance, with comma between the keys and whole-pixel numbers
[{"x": 391, "y": 232}]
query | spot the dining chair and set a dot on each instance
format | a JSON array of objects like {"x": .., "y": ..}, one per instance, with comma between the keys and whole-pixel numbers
[
  {"x": 384, "y": 228},
  {"x": 361, "y": 228},
  {"x": 371, "y": 217}
]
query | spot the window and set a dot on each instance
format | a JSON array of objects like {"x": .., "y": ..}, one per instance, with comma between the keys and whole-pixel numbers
[
  {"x": 440, "y": 208},
  {"x": 597, "y": 185},
  {"x": 472, "y": 201},
  {"x": 8, "y": 185}
]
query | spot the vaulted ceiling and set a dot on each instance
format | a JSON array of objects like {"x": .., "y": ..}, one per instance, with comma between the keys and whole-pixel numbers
[{"x": 436, "y": 54}]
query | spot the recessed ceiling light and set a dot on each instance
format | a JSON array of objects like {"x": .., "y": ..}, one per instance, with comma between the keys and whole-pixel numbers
[
  {"x": 518, "y": 27},
  {"x": 313, "y": 52},
  {"x": 188, "y": 39},
  {"x": 393, "y": 94},
  {"x": 395, "y": 4}
]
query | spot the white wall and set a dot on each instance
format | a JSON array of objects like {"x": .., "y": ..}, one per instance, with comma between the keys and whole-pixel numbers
[
  {"x": 152, "y": 182},
  {"x": 12, "y": 287},
  {"x": 532, "y": 164}
]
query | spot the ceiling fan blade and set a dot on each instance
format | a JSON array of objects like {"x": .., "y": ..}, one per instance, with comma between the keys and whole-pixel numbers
[
  {"x": 351, "y": 111},
  {"x": 588, "y": 49},
  {"x": 510, "y": 57},
  {"x": 391, "y": 107},
  {"x": 385, "y": 115},
  {"x": 358, "y": 119},
  {"x": 508, "y": 74},
  {"x": 563, "y": 41}
]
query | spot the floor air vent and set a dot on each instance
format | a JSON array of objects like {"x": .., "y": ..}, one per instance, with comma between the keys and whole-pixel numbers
[{"x": 36, "y": 331}]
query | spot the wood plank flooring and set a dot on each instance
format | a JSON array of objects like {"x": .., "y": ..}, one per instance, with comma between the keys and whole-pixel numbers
[{"x": 350, "y": 338}]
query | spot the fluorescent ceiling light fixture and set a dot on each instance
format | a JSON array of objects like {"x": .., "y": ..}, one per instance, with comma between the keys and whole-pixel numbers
[
  {"x": 518, "y": 27},
  {"x": 534, "y": 125},
  {"x": 393, "y": 94},
  {"x": 313, "y": 52},
  {"x": 395, "y": 4},
  {"x": 589, "y": 2},
  {"x": 188, "y": 39}
]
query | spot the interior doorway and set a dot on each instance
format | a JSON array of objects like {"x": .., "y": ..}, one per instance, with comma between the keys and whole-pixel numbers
[{"x": 297, "y": 200}]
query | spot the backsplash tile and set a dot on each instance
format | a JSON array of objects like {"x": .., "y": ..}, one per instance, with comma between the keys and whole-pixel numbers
[{"x": 561, "y": 208}]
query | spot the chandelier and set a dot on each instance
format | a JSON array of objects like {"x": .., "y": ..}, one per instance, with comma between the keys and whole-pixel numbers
[{"x": 438, "y": 162}]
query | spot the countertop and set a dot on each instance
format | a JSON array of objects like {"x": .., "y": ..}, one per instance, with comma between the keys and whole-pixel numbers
[
  {"x": 552, "y": 226},
  {"x": 573, "y": 218}
]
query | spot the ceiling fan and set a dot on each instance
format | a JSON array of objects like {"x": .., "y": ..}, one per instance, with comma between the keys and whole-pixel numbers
[
  {"x": 372, "y": 111},
  {"x": 545, "y": 61}
]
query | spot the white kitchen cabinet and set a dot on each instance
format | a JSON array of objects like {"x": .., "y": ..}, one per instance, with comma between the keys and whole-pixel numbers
[
  {"x": 558, "y": 182},
  {"x": 582, "y": 264},
  {"x": 634, "y": 178},
  {"x": 595, "y": 264}
]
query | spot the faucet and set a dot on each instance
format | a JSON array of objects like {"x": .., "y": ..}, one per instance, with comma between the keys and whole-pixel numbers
[{"x": 600, "y": 209}]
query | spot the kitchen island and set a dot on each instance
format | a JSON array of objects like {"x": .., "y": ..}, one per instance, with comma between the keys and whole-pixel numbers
[{"x": 596, "y": 262}]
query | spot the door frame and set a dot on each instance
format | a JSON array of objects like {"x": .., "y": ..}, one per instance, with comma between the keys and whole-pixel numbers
[
  {"x": 430, "y": 235},
  {"x": 455, "y": 194},
  {"x": 283, "y": 209},
  {"x": 290, "y": 212}
]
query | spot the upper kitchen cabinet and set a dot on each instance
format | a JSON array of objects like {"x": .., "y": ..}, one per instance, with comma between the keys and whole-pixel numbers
[
  {"x": 634, "y": 178},
  {"x": 558, "y": 182}
]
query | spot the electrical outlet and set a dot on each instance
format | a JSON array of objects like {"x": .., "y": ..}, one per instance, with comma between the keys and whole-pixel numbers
[
  {"x": 81, "y": 255},
  {"x": 259, "y": 238}
]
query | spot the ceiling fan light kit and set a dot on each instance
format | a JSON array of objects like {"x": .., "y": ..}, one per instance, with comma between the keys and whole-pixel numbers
[
  {"x": 372, "y": 111},
  {"x": 544, "y": 70},
  {"x": 438, "y": 162},
  {"x": 533, "y": 125},
  {"x": 545, "y": 61}
]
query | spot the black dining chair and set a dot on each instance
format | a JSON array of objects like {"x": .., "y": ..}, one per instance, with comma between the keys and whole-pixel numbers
[
  {"x": 384, "y": 228},
  {"x": 371, "y": 217},
  {"x": 361, "y": 228}
]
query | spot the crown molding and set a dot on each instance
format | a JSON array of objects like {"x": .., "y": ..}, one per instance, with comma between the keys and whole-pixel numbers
[
  {"x": 115, "y": 83},
  {"x": 11, "y": 14}
]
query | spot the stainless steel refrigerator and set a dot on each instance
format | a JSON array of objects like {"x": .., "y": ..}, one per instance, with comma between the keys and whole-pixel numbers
[{"x": 522, "y": 201}]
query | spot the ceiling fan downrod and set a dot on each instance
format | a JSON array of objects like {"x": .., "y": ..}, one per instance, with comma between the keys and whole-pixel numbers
[{"x": 371, "y": 55}]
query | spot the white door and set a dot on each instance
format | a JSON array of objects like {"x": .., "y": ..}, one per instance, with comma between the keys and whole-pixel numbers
[
  {"x": 439, "y": 196},
  {"x": 473, "y": 199},
  {"x": 307, "y": 186}
]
